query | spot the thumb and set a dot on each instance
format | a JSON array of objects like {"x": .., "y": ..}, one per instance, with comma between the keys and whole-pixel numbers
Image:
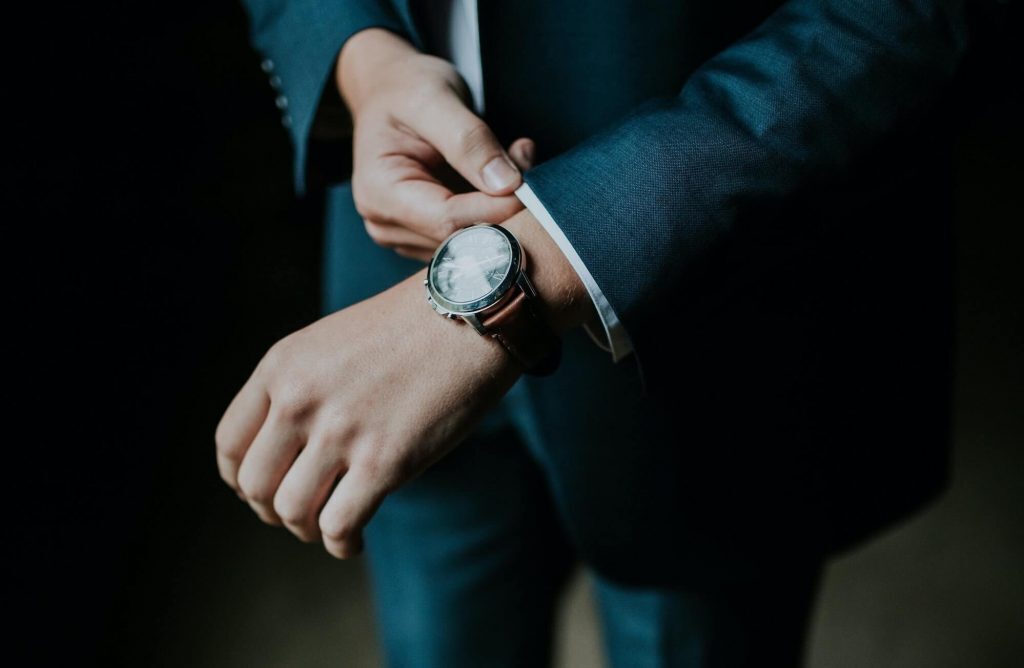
[{"x": 467, "y": 144}]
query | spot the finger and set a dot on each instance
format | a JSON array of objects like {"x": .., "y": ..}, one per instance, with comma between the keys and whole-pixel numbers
[
  {"x": 238, "y": 427},
  {"x": 305, "y": 488},
  {"x": 347, "y": 511},
  {"x": 266, "y": 463},
  {"x": 414, "y": 253},
  {"x": 469, "y": 208},
  {"x": 386, "y": 234},
  {"x": 430, "y": 209},
  {"x": 467, "y": 143},
  {"x": 522, "y": 152}
]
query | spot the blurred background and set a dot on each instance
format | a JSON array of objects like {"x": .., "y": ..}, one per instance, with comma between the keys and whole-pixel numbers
[{"x": 155, "y": 250}]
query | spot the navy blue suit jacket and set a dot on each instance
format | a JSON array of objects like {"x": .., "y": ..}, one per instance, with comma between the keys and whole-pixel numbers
[{"x": 762, "y": 191}]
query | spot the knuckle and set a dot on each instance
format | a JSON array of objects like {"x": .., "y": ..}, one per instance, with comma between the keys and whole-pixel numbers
[
  {"x": 360, "y": 205},
  {"x": 224, "y": 445},
  {"x": 447, "y": 226},
  {"x": 296, "y": 518},
  {"x": 274, "y": 356},
  {"x": 375, "y": 232},
  {"x": 293, "y": 402},
  {"x": 457, "y": 85},
  {"x": 255, "y": 491},
  {"x": 229, "y": 479},
  {"x": 336, "y": 527},
  {"x": 375, "y": 463},
  {"x": 288, "y": 510},
  {"x": 265, "y": 516},
  {"x": 473, "y": 138},
  {"x": 304, "y": 535},
  {"x": 370, "y": 459},
  {"x": 341, "y": 549},
  {"x": 292, "y": 409},
  {"x": 338, "y": 434},
  {"x": 362, "y": 198}
]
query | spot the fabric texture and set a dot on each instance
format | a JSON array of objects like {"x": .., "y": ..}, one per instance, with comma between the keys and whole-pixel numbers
[
  {"x": 793, "y": 103},
  {"x": 469, "y": 562}
]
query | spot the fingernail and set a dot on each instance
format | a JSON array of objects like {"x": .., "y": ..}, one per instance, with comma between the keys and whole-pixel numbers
[{"x": 500, "y": 173}]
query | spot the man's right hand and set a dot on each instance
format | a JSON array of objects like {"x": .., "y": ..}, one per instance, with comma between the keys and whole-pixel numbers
[{"x": 413, "y": 126}]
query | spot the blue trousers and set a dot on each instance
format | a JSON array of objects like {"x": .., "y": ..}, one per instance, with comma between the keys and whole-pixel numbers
[{"x": 467, "y": 560}]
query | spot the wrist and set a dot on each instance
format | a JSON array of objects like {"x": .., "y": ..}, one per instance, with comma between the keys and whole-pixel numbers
[
  {"x": 563, "y": 300},
  {"x": 361, "y": 61},
  {"x": 512, "y": 284},
  {"x": 437, "y": 334}
]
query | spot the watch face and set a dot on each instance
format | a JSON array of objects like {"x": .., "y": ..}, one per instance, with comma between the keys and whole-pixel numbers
[{"x": 472, "y": 264}]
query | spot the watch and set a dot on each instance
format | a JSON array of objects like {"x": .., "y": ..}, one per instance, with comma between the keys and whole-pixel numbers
[{"x": 478, "y": 275}]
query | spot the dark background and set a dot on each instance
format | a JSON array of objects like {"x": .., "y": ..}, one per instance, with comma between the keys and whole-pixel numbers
[{"x": 155, "y": 250}]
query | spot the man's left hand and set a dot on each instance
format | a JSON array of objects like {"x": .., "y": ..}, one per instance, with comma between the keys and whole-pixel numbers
[
  {"x": 346, "y": 409},
  {"x": 343, "y": 411}
]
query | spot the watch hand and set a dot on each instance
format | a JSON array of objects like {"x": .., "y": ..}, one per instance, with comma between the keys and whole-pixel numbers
[{"x": 489, "y": 260}]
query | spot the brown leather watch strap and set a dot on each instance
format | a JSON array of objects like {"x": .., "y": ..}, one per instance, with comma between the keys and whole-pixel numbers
[{"x": 525, "y": 335}]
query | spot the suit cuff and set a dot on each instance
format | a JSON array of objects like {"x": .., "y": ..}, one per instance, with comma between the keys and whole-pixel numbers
[{"x": 614, "y": 338}]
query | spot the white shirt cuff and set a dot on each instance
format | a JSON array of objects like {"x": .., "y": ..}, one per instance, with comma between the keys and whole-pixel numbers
[{"x": 614, "y": 339}]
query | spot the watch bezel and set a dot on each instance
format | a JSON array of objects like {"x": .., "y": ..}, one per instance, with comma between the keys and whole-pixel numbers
[{"x": 445, "y": 306}]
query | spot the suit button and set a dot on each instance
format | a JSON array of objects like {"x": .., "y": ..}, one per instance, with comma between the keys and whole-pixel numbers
[
  {"x": 267, "y": 65},
  {"x": 286, "y": 120},
  {"x": 275, "y": 81},
  {"x": 281, "y": 102}
]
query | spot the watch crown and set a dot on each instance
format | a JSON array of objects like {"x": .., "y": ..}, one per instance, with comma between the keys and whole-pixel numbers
[
  {"x": 424, "y": 281},
  {"x": 438, "y": 309}
]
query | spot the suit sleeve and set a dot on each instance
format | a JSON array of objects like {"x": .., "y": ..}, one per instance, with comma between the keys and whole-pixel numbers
[
  {"x": 300, "y": 41},
  {"x": 798, "y": 98}
]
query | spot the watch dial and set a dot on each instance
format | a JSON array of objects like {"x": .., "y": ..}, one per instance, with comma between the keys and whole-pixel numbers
[{"x": 472, "y": 264}]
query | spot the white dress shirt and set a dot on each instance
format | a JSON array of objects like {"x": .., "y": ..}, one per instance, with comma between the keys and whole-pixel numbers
[{"x": 463, "y": 40}]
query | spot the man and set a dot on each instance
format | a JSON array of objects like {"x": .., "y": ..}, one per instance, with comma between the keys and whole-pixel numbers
[{"x": 745, "y": 204}]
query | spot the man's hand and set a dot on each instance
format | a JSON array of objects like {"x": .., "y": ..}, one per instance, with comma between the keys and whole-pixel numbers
[
  {"x": 372, "y": 394},
  {"x": 424, "y": 165},
  {"x": 344, "y": 410}
]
